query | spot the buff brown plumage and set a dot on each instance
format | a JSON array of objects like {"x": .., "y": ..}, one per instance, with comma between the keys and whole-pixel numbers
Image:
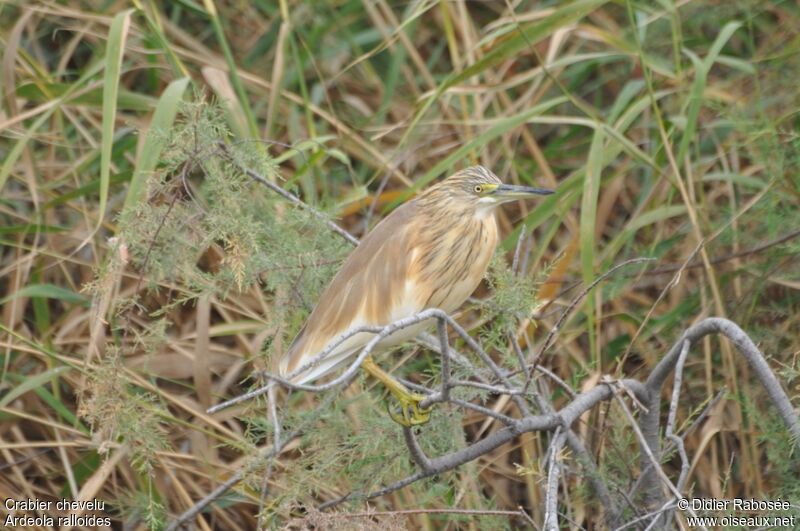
[{"x": 431, "y": 252}]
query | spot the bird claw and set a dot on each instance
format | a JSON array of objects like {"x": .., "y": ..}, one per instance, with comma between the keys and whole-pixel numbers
[{"x": 409, "y": 413}]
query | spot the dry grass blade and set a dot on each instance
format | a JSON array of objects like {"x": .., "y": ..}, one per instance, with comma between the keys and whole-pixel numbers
[{"x": 160, "y": 245}]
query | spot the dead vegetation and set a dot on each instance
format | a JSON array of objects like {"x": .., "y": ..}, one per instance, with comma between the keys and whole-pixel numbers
[{"x": 146, "y": 277}]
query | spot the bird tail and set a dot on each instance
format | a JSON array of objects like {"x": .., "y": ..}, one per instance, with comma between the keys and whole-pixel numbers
[
  {"x": 290, "y": 365},
  {"x": 301, "y": 351},
  {"x": 324, "y": 367}
]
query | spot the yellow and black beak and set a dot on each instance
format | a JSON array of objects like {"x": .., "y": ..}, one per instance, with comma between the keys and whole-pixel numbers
[{"x": 510, "y": 192}]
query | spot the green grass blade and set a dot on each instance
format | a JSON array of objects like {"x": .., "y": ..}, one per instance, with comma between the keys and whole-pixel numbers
[
  {"x": 233, "y": 69},
  {"x": 163, "y": 117},
  {"x": 45, "y": 92},
  {"x": 31, "y": 228},
  {"x": 47, "y": 291},
  {"x": 31, "y": 383},
  {"x": 631, "y": 89},
  {"x": 527, "y": 36},
  {"x": 699, "y": 86},
  {"x": 16, "y": 151},
  {"x": 153, "y": 19},
  {"x": 591, "y": 191},
  {"x": 117, "y": 35},
  {"x": 502, "y": 126},
  {"x": 87, "y": 189},
  {"x": 588, "y": 220},
  {"x": 651, "y": 217}
]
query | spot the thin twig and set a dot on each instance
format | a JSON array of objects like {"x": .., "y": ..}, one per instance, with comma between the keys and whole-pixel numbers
[
  {"x": 414, "y": 449},
  {"x": 227, "y": 155},
  {"x": 676, "y": 389},
  {"x": 551, "y": 492},
  {"x": 689, "y": 263},
  {"x": 517, "y": 249},
  {"x": 518, "y": 351},
  {"x": 655, "y": 381},
  {"x": 557, "y": 327},
  {"x": 669, "y": 505},
  {"x": 276, "y": 446},
  {"x": 485, "y": 387},
  {"x": 265, "y": 453},
  {"x": 195, "y": 509},
  {"x": 669, "y": 268},
  {"x": 648, "y": 452},
  {"x": 485, "y": 411},
  {"x": 671, "y": 284},
  {"x": 669, "y": 447},
  {"x": 441, "y": 328},
  {"x": 678, "y": 442},
  {"x": 403, "y": 512},
  {"x": 566, "y": 416}
]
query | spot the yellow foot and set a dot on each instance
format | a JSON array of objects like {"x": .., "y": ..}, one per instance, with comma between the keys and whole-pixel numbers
[{"x": 409, "y": 413}]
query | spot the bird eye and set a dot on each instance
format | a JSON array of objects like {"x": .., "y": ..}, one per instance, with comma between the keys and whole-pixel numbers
[{"x": 478, "y": 188}]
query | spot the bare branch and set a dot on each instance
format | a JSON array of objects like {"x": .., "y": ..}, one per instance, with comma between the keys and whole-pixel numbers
[
  {"x": 676, "y": 389},
  {"x": 565, "y": 417},
  {"x": 265, "y": 453},
  {"x": 551, "y": 492},
  {"x": 417, "y": 454},
  {"x": 647, "y": 394},
  {"x": 469, "y": 512},
  {"x": 276, "y": 446},
  {"x": 441, "y": 328},
  {"x": 646, "y": 451},
  {"x": 651, "y": 515},
  {"x": 650, "y": 420},
  {"x": 195, "y": 509},
  {"x": 485, "y": 387}
]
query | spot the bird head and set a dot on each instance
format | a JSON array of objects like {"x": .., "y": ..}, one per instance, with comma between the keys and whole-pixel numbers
[{"x": 480, "y": 189}]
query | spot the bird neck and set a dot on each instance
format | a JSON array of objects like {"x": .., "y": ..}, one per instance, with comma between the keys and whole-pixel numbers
[
  {"x": 486, "y": 208},
  {"x": 454, "y": 246}
]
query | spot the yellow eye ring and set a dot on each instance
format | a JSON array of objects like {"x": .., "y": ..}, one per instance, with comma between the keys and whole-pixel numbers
[{"x": 478, "y": 189}]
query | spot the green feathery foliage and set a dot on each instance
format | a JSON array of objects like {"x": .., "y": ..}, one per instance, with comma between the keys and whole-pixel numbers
[
  {"x": 120, "y": 413},
  {"x": 210, "y": 228}
]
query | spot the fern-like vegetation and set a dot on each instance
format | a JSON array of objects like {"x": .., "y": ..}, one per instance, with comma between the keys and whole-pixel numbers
[{"x": 147, "y": 275}]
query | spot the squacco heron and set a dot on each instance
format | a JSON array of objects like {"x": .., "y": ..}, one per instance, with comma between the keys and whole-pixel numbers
[{"x": 431, "y": 252}]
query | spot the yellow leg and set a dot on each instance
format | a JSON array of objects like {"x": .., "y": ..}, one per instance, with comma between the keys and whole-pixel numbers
[{"x": 410, "y": 413}]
